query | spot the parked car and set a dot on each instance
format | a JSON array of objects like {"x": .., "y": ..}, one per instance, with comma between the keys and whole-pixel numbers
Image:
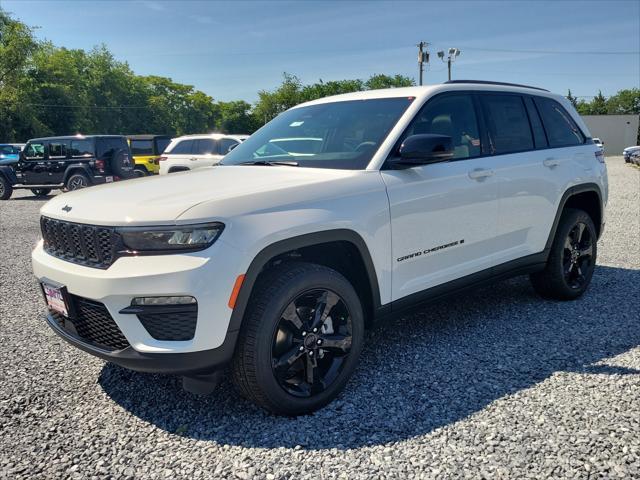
[
  {"x": 195, "y": 151},
  {"x": 599, "y": 143},
  {"x": 626, "y": 153},
  {"x": 277, "y": 262},
  {"x": 146, "y": 151},
  {"x": 9, "y": 154},
  {"x": 67, "y": 162}
]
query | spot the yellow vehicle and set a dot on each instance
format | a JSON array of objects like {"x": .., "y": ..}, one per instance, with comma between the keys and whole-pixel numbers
[{"x": 146, "y": 151}]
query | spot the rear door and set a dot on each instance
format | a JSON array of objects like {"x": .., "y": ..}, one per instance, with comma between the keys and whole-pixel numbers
[
  {"x": 206, "y": 153},
  {"x": 181, "y": 156},
  {"x": 530, "y": 170},
  {"x": 443, "y": 215},
  {"x": 57, "y": 160}
]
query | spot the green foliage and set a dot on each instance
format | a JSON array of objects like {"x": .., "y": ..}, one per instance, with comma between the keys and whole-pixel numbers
[{"x": 625, "y": 102}]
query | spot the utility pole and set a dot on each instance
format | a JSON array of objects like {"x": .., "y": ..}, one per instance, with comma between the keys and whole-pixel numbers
[{"x": 423, "y": 57}]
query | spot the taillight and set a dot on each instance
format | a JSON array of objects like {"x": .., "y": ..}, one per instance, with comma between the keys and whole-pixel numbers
[
  {"x": 160, "y": 159},
  {"x": 100, "y": 165},
  {"x": 600, "y": 156}
]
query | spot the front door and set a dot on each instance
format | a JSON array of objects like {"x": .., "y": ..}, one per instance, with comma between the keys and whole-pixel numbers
[
  {"x": 34, "y": 165},
  {"x": 444, "y": 215}
]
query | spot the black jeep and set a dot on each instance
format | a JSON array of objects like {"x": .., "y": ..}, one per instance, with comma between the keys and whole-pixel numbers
[{"x": 67, "y": 162}]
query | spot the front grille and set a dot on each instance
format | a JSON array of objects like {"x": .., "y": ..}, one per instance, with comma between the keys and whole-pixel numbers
[
  {"x": 89, "y": 245},
  {"x": 171, "y": 326},
  {"x": 92, "y": 324}
]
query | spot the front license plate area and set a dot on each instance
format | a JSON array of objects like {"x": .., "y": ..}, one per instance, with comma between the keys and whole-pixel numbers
[{"x": 56, "y": 298}]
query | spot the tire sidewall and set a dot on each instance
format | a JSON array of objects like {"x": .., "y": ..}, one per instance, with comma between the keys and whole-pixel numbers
[
  {"x": 6, "y": 188},
  {"x": 569, "y": 220},
  {"x": 310, "y": 280}
]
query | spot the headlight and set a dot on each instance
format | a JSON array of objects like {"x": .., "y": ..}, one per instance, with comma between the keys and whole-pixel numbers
[{"x": 157, "y": 239}]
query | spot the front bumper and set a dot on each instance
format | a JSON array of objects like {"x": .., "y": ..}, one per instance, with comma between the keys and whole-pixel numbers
[
  {"x": 208, "y": 276},
  {"x": 190, "y": 363}
]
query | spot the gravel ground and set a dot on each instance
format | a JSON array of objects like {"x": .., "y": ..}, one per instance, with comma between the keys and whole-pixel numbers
[{"x": 498, "y": 385}]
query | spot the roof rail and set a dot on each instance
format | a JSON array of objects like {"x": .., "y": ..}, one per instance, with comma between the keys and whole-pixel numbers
[{"x": 488, "y": 82}]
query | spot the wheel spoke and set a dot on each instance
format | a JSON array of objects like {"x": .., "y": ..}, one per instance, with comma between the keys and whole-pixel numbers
[
  {"x": 310, "y": 369},
  {"x": 586, "y": 251},
  {"x": 581, "y": 228},
  {"x": 284, "y": 362},
  {"x": 291, "y": 316},
  {"x": 325, "y": 304},
  {"x": 340, "y": 343}
]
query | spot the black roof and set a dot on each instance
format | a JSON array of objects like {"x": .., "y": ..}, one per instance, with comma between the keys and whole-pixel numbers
[
  {"x": 74, "y": 137},
  {"x": 146, "y": 137},
  {"x": 505, "y": 84}
]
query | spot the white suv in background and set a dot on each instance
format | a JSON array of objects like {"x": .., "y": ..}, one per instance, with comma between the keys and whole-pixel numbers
[
  {"x": 337, "y": 214},
  {"x": 194, "y": 151}
]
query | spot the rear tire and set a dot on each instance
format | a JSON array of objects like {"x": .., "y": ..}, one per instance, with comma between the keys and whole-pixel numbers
[
  {"x": 6, "y": 189},
  {"x": 572, "y": 258},
  {"x": 140, "y": 172},
  {"x": 300, "y": 339},
  {"x": 41, "y": 192},
  {"x": 77, "y": 181}
]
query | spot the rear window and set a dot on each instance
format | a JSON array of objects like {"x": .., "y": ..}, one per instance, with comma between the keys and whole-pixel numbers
[
  {"x": 183, "y": 147},
  {"x": 162, "y": 144},
  {"x": 508, "y": 123},
  {"x": 81, "y": 148},
  {"x": 108, "y": 146},
  {"x": 141, "y": 147},
  {"x": 561, "y": 130}
]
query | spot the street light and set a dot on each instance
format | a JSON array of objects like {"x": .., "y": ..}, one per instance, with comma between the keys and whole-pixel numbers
[{"x": 452, "y": 54}]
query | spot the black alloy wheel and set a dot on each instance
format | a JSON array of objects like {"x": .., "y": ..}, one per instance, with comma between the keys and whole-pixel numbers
[
  {"x": 77, "y": 181},
  {"x": 311, "y": 342},
  {"x": 577, "y": 256}
]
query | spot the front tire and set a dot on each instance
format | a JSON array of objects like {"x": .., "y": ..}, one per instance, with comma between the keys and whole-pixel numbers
[
  {"x": 572, "y": 258},
  {"x": 77, "y": 181},
  {"x": 6, "y": 189},
  {"x": 300, "y": 339}
]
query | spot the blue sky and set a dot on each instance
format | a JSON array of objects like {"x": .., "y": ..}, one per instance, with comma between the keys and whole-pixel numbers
[{"x": 230, "y": 50}]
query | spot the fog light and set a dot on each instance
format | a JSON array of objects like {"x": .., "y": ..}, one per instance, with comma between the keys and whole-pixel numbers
[{"x": 146, "y": 301}]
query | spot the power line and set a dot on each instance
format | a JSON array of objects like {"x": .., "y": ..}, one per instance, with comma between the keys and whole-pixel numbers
[{"x": 94, "y": 107}]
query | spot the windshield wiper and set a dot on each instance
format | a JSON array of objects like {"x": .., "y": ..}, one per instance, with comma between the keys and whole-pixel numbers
[{"x": 270, "y": 163}]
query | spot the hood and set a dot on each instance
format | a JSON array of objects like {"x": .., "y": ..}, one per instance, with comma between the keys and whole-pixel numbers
[{"x": 162, "y": 199}]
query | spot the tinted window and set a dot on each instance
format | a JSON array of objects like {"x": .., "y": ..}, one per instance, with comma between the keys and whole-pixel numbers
[
  {"x": 224, "y": 144},
  {"x": 34, "y": 151},
  {"x": 205, "y": 146},
  {"x": 561, "y": 130},
  {"x": 183, "y": 147},
  {"x": 350, "y": 132},
  {"x": 162, "y": 144},
  {"x": 57, "y": 150},
  {"x": 539, "y": 136},
  {"x": 508, "y": 123},
  {"x": 454, "y": 116},
  {"x": 81, "y": 148},
  {"x": 141, "y": 147},
  {"x": 108, "y": 146},
  {"x": 9, "y": 150}
]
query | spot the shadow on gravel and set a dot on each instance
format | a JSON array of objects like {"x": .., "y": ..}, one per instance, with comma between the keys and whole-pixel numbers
[{"x": 420, "y": 372}]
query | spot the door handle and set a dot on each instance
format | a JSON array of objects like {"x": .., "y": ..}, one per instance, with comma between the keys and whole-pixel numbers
[
  {"x": 551, "y": 162},
  {"x": 480, "y": 173},
  {"x": 193, "y": 159}
]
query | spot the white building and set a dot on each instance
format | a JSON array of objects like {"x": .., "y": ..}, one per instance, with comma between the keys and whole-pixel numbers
[{"x": 616, "y": 131}]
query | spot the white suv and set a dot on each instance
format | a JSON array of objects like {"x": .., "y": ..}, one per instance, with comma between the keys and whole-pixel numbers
[
  {"x": 277, "y": 260},
  {"x": 194, "y": 151}
]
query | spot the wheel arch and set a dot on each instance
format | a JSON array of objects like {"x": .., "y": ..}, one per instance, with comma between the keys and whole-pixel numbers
[
  {"x": 73, "y": 169},
  {"x": 587, "y": 197},
  {"x": 313, "y": 247}
]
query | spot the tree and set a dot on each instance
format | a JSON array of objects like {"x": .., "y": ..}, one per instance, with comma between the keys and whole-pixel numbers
[
  {"x": 598, "y": 105},
  {"x": 625, "y": 102},
  {"x": 572, "y": 99},
  {"x": 235, "y": 117},
  {"x": 385, "y": 81}
]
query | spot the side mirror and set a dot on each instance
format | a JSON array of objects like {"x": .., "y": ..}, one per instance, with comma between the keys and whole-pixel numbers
[{"x": 423, "y": 149}]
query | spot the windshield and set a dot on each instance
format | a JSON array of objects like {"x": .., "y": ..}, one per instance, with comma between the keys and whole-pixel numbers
[{"x": 341, "y": 135}]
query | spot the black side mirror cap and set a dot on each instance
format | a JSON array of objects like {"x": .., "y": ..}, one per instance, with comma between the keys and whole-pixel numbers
[{"x": 423, "y": 149}]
